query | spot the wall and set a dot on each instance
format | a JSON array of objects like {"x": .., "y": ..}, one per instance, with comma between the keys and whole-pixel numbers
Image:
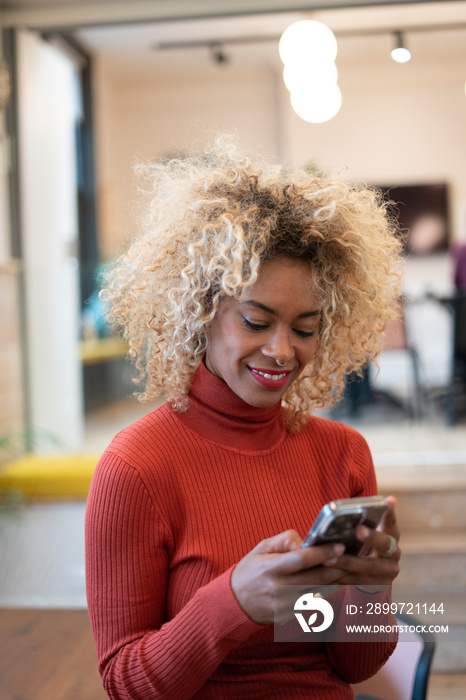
[
  {"x": 4, "y": 213},
  {"x": 142, "y": 114},
  {"x": 11, "y": 376},
  {"x": 47, "y": 117}
]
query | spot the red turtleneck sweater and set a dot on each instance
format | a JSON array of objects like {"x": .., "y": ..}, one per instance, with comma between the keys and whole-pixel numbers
[{"x": 176, "y": 501}]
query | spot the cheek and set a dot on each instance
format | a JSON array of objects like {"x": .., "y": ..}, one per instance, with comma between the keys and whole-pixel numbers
[
  {"x": 306, "y": 354},
  {"x": 221, "y": 341},
  {"x": 313, "y": 350},
  {"x": 230, "y": 337},
  {"x": 229, "y": 342}
]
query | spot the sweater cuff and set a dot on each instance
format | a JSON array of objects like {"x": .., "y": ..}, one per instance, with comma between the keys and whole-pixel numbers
[
  {"x": 360, "y": 596},
  {"x": 224, "y": 613}
]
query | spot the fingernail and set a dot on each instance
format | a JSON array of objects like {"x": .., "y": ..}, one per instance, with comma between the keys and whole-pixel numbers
[
  {"x": 363, "y": 531},
  {"x": 329, "y": 562},
  {"x": 338, "y": 549}
]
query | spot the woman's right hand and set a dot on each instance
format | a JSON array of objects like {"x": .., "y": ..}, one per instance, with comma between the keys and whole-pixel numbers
[{"x": 279, "y": 561}]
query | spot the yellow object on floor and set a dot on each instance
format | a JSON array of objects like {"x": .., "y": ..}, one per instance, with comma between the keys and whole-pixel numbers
[{"x": 64, "y": 476}]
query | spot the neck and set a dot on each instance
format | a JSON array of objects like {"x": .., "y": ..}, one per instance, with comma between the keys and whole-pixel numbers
[{"x": 217, "y": 414}]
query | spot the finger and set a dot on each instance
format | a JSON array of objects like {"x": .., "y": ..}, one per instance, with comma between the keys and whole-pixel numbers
[
  {"x": 306, "y": 558},
  {"x": 284, "y": 542},
  {"x": 317, "y": 576},
  {"x": 372, "y": 566},
  {"x": 367, "y": 570},
  {"x": 376, "y": 574},
  {"x": 380, "y": 541},
  {"x": 370, "y": 572},
  {"x": 391, "y": 500}
]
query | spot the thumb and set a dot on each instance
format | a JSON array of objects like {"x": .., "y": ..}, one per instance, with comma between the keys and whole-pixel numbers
[
  {"x": 284, "y": 542},
  {"x": 389, "y": 518},
  {"x": 389, "y": 524}
]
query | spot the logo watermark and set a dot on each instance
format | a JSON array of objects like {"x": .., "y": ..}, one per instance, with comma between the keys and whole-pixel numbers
[{"x": 316, "y": 604}]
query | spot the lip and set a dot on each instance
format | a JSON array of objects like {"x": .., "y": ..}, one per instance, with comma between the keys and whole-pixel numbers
[{"x": 270, "y": 383}]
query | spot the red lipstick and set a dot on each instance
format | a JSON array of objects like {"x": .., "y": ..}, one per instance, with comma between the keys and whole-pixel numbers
[{"x": 267, "y": 381}]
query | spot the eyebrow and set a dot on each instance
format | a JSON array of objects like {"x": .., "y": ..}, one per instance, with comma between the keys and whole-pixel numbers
[{"x": 258, "y": 305}]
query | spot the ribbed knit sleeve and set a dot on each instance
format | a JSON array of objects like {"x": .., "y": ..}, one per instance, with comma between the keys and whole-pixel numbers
[
  {"x": 362, "y": 474},
  {"x": 356, "y": 661},
  {"x": 141, "y": 655}
]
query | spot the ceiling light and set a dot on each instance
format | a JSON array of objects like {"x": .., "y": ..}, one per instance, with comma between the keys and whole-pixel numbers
[
  {"x": 308, "y": 49},
  {"x": 307, "y": 40},
  {"x": 300, "y": 76},
  {"x": 400, "y": 53},
  {"x": 317, "y": 105}
]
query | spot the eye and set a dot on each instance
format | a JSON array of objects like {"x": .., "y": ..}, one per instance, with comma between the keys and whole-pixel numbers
[
  {"x": 304, "y": 334},
  {"x": 253, "y": 326}
]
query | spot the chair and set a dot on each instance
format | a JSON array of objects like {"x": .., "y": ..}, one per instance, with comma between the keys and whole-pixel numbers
[
  {"x": 457, "y": 389},
  {"x": 396, "y": 339},
  {"x": 405, "y": 675}
]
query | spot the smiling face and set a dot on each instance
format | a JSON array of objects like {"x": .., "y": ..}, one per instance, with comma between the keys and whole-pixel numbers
[{"x": 276, "y": 320}]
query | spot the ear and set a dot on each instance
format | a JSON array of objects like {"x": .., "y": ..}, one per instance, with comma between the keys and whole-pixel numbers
[{"x": 200, "y": 343}]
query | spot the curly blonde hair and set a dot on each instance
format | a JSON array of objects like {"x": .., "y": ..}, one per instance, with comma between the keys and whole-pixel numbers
[{"x": 212, "y": 221}]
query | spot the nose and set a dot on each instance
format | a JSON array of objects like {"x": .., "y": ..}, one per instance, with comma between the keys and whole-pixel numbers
[{"x": 279, "y": 347}]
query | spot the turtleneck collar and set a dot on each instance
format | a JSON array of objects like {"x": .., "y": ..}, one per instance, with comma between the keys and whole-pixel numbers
[{"x": 217, "y": 414}]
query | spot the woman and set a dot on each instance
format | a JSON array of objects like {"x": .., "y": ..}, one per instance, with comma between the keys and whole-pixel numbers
[{"x": 250, "y": 294}]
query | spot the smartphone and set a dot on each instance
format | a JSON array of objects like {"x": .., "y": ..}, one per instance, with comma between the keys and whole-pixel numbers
[{"x": 338, "y": 520}]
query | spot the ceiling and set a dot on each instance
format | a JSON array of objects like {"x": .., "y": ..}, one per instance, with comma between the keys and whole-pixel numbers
[
  {"x": 75, "y": 13},
  {"x": 137, "y": 30}
]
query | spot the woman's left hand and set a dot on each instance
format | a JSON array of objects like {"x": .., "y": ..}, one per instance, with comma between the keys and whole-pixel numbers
[{"x": 381, "y": 567}]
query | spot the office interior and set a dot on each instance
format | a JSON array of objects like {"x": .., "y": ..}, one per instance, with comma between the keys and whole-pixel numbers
[{"x": 87, "y": 91}]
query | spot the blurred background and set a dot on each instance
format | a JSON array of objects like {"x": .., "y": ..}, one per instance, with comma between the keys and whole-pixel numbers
[{"x": 87, "y": 90}]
